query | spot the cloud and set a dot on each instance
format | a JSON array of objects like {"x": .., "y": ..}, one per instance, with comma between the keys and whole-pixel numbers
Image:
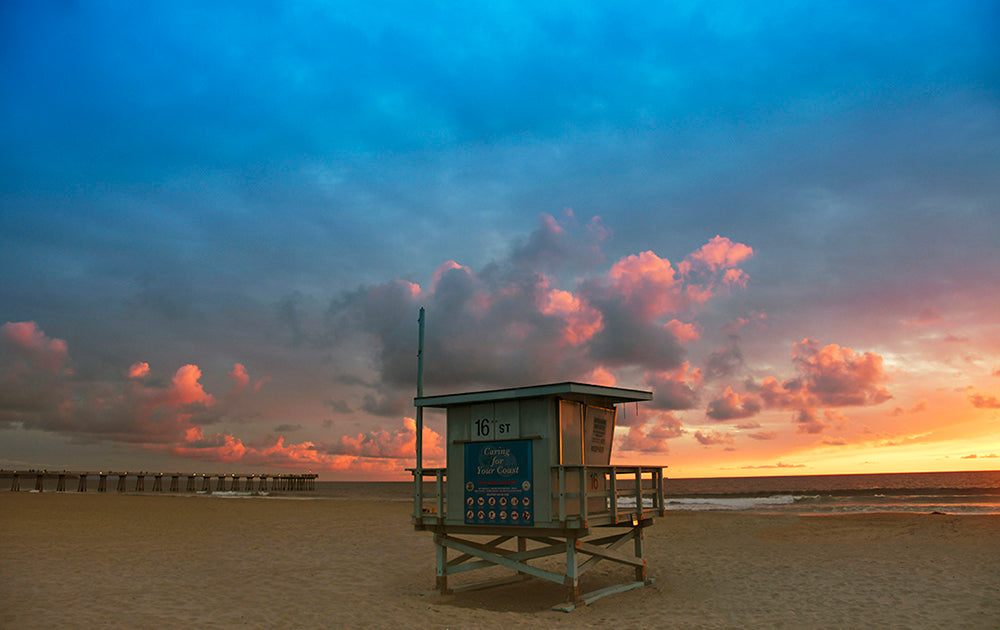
[
  {"x": 730, "y": 406},
  {"x": 830, "y": 377},
  {"x": 38, "y": 391},
  {"x": 504, "y": 324},
  {"x": 723, "y": 362},
  {"x": 139, "y": 369},
  {"x": 379, "y": 451},
  {"x": 28, "y": 341},
  {"x": 509, "y": 324},
  {"x": 651, "y": 435},
  {"x": 674, "y": 389},
  {"x": 713, "y": 438},
  {"x": 777, "y": 465},
  {"x": 807, "y": 422},
  {"x": 396, "y": 444},
  {"x": 838, "y": 377},
  {"x": 982, "y": 401},
  {"x": 719, "y": 254}
]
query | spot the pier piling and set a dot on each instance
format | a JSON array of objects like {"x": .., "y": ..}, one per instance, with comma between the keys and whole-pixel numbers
[{"x": 231, "y": 482}]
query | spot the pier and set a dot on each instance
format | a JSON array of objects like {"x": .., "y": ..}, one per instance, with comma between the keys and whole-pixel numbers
[{"x": 205, "y": 483}]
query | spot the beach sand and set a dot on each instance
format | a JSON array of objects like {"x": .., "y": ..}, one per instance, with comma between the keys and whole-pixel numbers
[{"x": 126, "y": 561}]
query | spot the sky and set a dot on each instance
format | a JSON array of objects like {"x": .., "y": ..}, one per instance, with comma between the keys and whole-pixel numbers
[{"x": 220, "y": 220}]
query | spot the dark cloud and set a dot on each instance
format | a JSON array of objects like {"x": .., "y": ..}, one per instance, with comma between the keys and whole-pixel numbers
[
  {"x": 732, "y": 406},
  {"x": 674, "y": 390},
  {"x": 723, "y": 362}
]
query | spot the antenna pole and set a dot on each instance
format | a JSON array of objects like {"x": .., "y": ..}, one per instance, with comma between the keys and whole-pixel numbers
[{"x": 420, "y": 392}]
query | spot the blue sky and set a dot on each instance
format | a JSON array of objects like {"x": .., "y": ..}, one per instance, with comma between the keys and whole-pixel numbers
[{"x": 280, "y": 186}]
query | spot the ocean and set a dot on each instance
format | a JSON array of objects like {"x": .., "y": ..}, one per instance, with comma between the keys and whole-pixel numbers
[{"x": 948, "y": 492}]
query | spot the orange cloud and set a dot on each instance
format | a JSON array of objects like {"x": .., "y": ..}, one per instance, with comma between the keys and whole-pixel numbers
[
  {"x": 652, "y": 436},
  {"x": 139, "y": 369},
  {"x": 982, "y": 401},
  {"x": 377, "y": 451},
  {"x": 185, "y": 388}
]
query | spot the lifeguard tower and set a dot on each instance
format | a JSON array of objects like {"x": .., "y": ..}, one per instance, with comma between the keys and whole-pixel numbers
[{"x": 532, "y": 465}]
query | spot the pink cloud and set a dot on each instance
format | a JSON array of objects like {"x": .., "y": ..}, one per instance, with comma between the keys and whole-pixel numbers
[
  {"x": 28, "y": 340},
  {"x": 831, "y": 376},
  {"x": 685, "y": 333},
  {"x": 580, "y": 320},
  {"x": 837, "y": 376},
  {"x": 647, "y": 283},
  {"x": 239, "y": 376},
  {"x": 719, "y": 253},
  {"x": 601, "y": 376}
]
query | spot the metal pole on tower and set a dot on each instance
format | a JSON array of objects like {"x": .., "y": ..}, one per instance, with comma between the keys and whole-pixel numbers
[{"x": 420, "y": 392}]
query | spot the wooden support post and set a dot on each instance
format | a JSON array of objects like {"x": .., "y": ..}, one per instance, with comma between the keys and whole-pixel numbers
[
  {"x": 158, "y": 482},
  {"x": 15, "y": 483},
  {"x": 40, "y": 482},
  {"x": 61, "y": 483},
  {"x": 522, "y": 546},
  {"x": 102, "y": 483},
  {"x": 140, "y": 482},
  {"x": 175, "y": 483},
  {"x": 572, "y": 570},
  {"x": 442, "y": 565},
  {"x": 640, "y": 572},
  {"x": 122, "y": 477},
  {"x": 82, "y": 486}
]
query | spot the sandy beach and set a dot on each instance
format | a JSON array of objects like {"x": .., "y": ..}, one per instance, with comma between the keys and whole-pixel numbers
[{"x": 124, "y": 561}]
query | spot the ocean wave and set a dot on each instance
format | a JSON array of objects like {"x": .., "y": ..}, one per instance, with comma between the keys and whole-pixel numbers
[{"x": 735, "y": 503}]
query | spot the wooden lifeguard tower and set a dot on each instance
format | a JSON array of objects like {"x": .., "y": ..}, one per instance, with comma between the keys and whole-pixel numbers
[{"x": 532, "y": 465}]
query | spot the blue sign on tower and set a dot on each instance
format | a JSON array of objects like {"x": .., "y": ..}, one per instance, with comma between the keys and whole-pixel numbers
[{"x": 498, "y": 483}]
